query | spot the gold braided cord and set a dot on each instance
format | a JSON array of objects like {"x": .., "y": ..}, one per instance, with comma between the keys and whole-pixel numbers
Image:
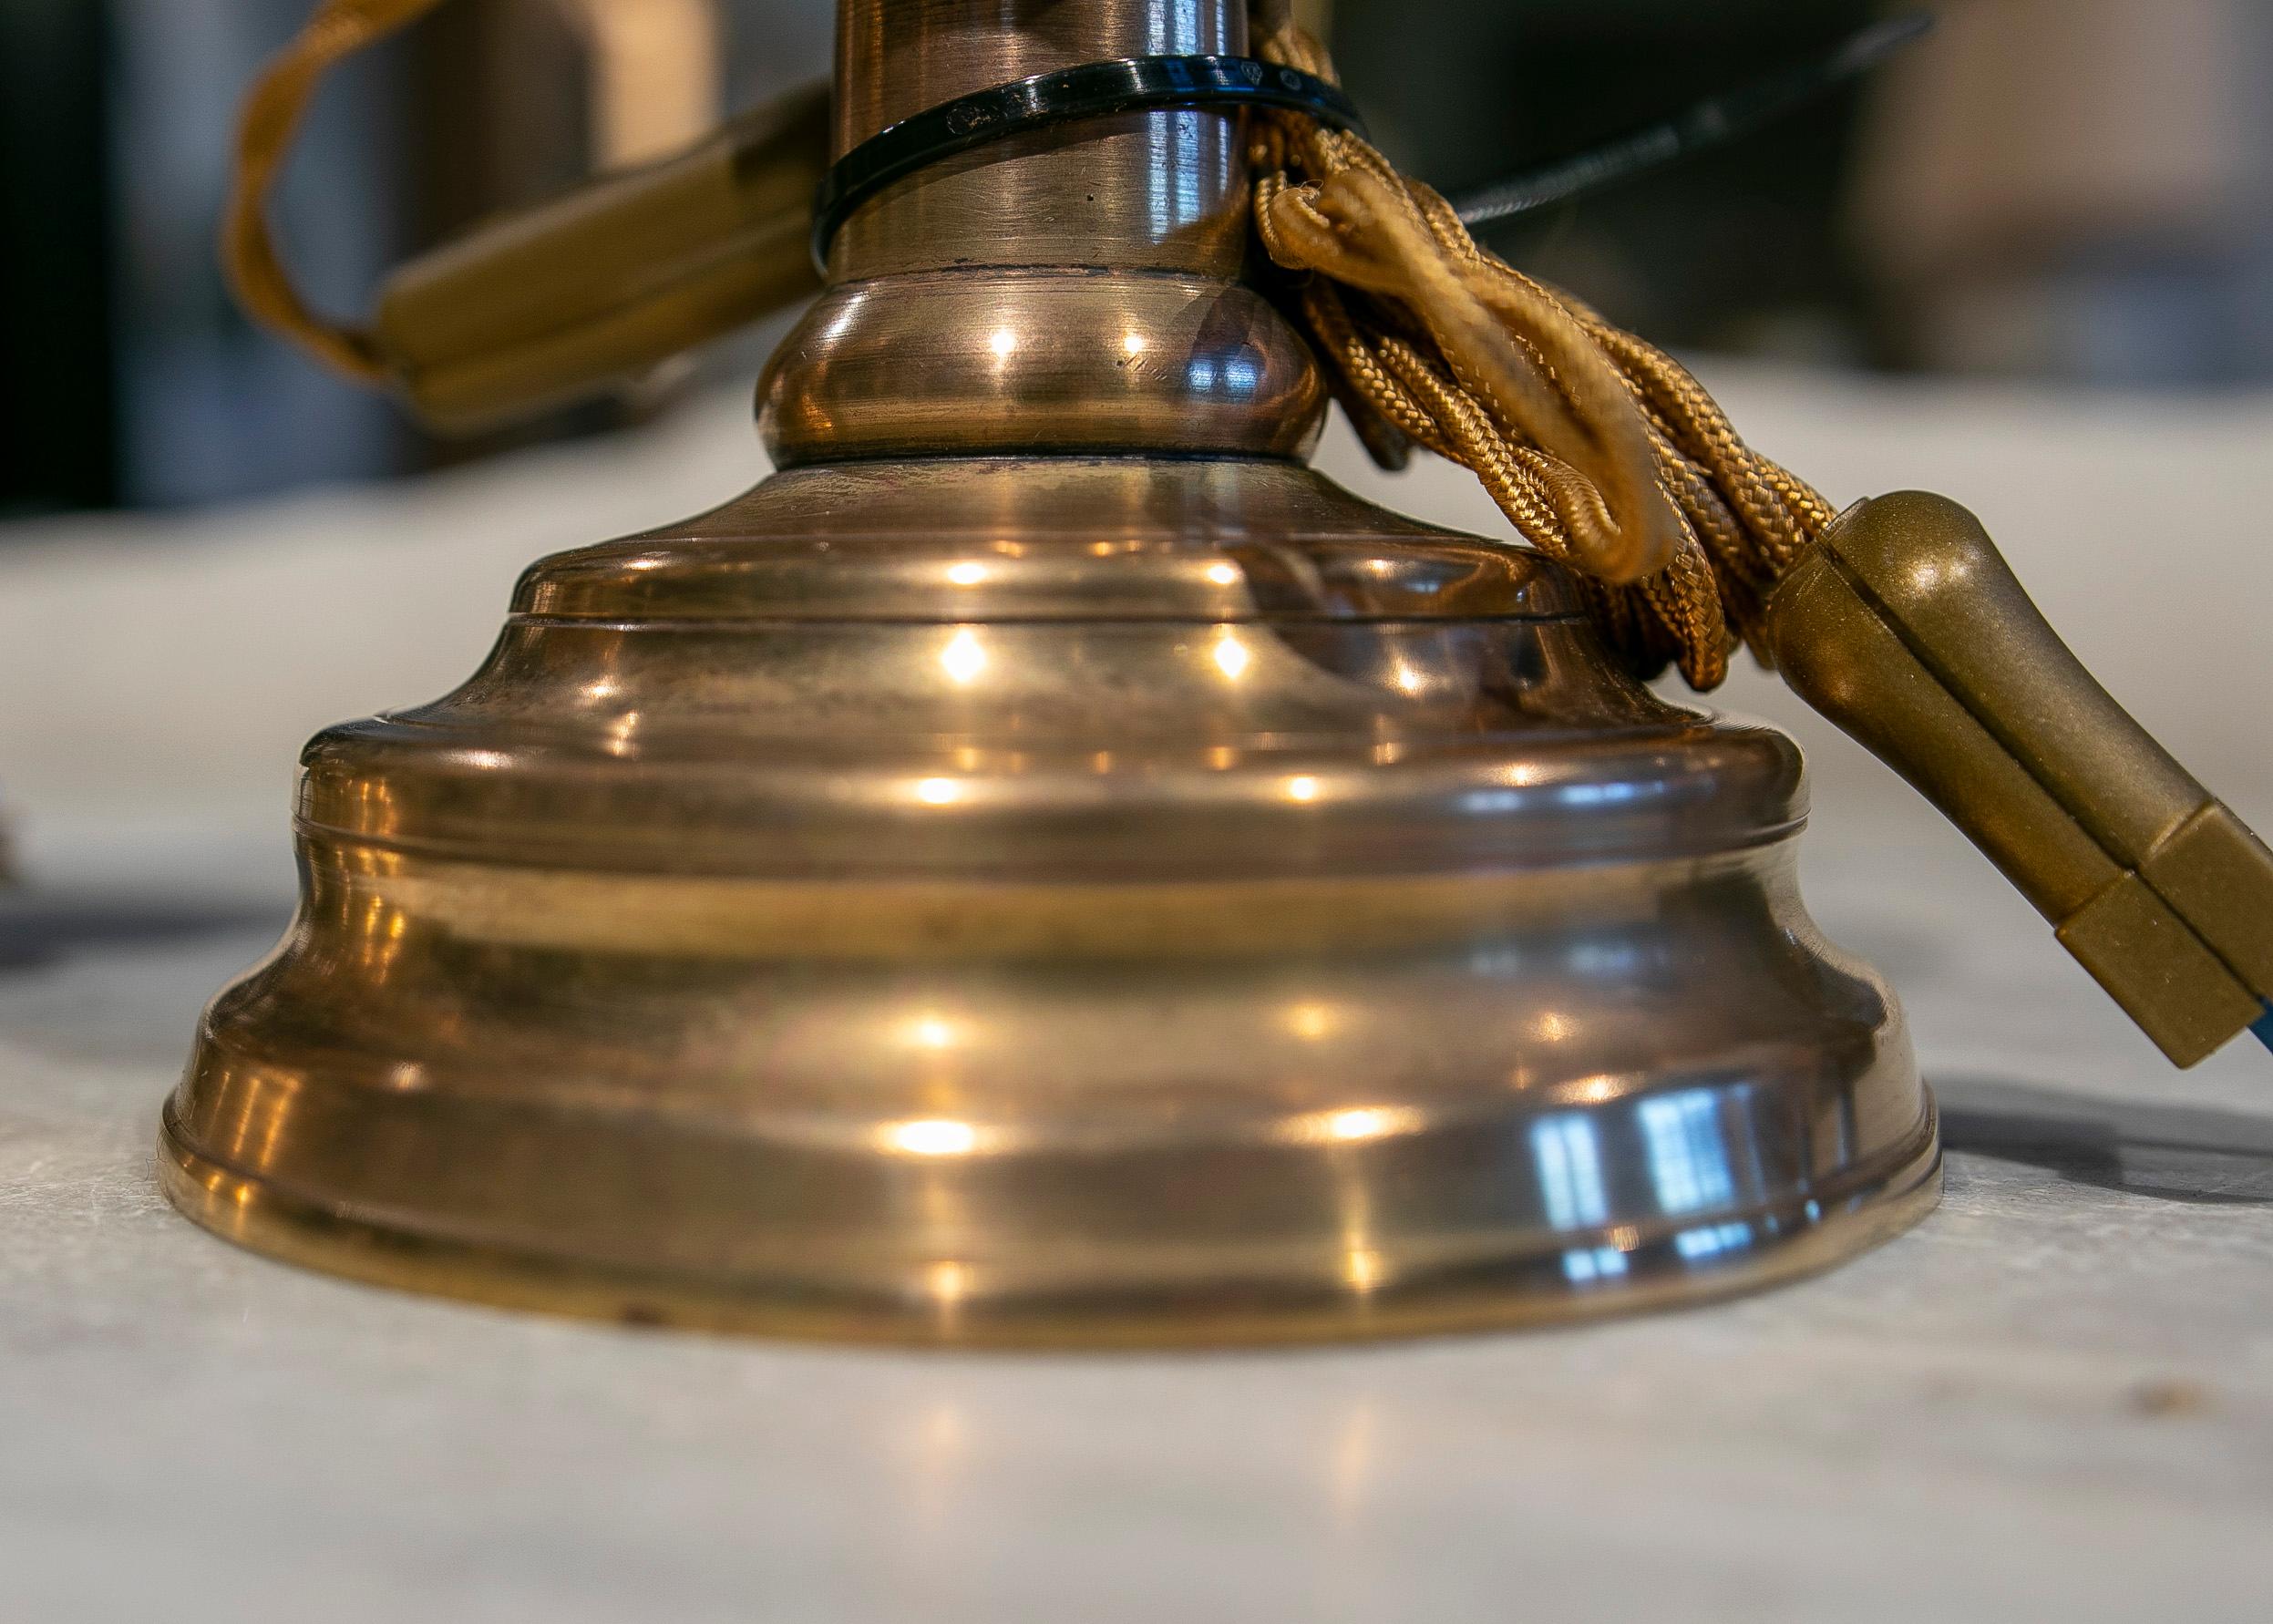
[
  {"x": 272, "y": 110},
  {"x": 1601, "y": 450}
]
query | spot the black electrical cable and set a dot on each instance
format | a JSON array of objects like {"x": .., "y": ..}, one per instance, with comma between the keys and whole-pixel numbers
[
  {"x": 1710, "y": 123},
  {"x": 1094, "y": 90}
]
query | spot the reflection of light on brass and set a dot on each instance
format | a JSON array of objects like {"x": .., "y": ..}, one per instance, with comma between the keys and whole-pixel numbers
[
  {"x": 964, "y": 657},
  {"x": 1352, "y": 1465},
  {"x": 1310, "y": 1019},
  {"x": 931, "y": 1032},
  {"x": 1231, "y": 656},
  {"x": 1593, "y": 1263},
  {"x": 1689, "y": 1161},
  {"x": 1362, "y": 1268},
  {"x": 1712, "y": 1240},
  {"x": 938, "y": 1436},
  {"x": 1003, "y": 341},
  {"x": 378, "y": 814},
  {"x": 1353, "y": 1126},
  {"x": 931, "y": 1136},
  {"x": 1365, "y": 1124},
  {"x": 1302, "y": 788},
  {"x": 1222, "y": 757},
  {"x": 259, "y": 1124},
  {"x": 966, "y": 574},
  {"x": 1593, "y": 1091},
  {"x": 947, "y": 1280},
  {"x": 1570, "y": 1162},
  {"x": 938, "y": 792},
  {"x": 380, "y": 938},
  {"x": 1134, "y": 343},
  {"x": 1223, "y": 574},
  {"x": 1551, "y": 1028},
  {"x": 1409, "y": 679},
  {"x": 1626, "y": 1237}
]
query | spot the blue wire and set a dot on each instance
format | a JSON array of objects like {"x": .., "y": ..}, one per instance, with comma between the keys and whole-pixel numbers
[{"x": 2264, "y": 1028}]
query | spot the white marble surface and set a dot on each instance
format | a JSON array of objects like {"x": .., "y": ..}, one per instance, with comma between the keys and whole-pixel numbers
[{"x": 2053, "y": 1399}]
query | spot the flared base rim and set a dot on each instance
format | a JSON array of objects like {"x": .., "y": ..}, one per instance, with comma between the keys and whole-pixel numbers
[{"x": 1578, "y": 1276}]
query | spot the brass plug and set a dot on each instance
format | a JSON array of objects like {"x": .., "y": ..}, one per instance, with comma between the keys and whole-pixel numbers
[
  {"x": 1907, "y": 629},
  {"x": 571, "y": 297}
]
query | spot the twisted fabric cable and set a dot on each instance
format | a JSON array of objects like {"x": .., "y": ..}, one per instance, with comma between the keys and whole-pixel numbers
[
  {"x": 1600, "y": 449},
  {"x": 272, "y": 110}
]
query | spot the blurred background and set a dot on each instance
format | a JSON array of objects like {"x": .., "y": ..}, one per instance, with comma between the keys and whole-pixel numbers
[{"x": 2068, "y": 191}]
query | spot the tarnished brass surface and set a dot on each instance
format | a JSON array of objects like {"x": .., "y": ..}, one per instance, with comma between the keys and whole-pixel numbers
[
  {"x": 1909, "y": 629},
  {"x": 1072, "y": 898}
]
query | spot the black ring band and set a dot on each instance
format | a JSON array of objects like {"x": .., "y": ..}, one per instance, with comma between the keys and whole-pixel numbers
[{"x": 1094, "y": 90}]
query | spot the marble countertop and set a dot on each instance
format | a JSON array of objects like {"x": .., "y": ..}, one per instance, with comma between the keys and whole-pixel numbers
[{"x": 2054, "y": 1398}]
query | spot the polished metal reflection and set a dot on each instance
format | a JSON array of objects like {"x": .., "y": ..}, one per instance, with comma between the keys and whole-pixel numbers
[
  {"x": 774, "y": 933},
  {"x": 1080, "y": 897}
]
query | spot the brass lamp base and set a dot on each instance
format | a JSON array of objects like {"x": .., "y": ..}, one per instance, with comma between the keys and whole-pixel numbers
[
  {"x": 1047, "y": 866},
  {"x": 1058, "y": 900}
]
